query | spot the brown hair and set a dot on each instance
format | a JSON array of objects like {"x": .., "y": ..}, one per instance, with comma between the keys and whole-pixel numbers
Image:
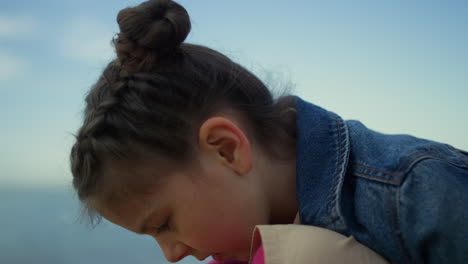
[{"x": 154, "y": 96}]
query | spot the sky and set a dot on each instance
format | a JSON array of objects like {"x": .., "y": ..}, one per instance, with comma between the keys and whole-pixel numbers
[{"x": 397, "y": 66}]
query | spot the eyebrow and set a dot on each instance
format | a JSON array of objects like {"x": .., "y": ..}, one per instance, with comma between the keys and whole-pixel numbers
[{"x": 142, "y": 226}]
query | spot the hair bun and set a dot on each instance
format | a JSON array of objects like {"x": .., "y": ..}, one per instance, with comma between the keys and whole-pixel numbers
[{"x": 153, "y": 28}]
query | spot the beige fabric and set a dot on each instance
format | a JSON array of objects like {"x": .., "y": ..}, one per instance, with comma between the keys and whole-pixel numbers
[{"x": 301, "y": 244}]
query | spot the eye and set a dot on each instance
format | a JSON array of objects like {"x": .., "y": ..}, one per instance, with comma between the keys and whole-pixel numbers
[{"x": 163, "y": 228}]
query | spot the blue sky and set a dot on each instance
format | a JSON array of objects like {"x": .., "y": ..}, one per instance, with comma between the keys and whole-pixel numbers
[{"x": 398, "y": 66}]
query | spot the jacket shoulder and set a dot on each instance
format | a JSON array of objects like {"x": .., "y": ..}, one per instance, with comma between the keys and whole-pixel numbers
[{"x": 388, "y": 158}]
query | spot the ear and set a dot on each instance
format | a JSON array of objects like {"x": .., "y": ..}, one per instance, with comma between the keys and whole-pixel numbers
[{"x": 227, "y": 143}]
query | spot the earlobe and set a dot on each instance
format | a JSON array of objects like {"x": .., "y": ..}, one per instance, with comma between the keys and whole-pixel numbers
[{"x": 227, "y": 143}]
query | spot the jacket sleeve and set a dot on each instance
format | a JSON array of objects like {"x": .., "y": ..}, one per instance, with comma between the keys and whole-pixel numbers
[{"x": 433, "y": 212}]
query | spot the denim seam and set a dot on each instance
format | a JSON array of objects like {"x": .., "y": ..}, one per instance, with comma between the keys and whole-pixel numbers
[
  {"x": 378, "y": 170},
  {"x": 410, "y": 164},
  {"x": 376, "y": 177},
  {"x": 334, "y": 210},
  {"x": 409, "y": 161},
  {"x": 399, "y": 167},
  {"x": 436, "y": 157},
  {"x": 332, "y": 194}
]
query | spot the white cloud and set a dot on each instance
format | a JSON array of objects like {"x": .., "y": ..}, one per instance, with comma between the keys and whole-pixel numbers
[
  {"x": 11, "y": 66},
  {"x": 12, "y": 27},
  {"x": 87, "y": 40}
]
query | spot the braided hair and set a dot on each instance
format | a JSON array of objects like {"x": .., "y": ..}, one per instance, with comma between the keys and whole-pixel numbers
[{"x": 153, "y": 97}]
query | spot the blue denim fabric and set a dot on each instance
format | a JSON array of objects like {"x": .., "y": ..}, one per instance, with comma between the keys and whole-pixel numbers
[{"x": 404, "y": 197}]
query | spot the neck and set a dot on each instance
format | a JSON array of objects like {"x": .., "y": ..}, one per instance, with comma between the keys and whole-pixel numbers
[{"x": 280, "y": 189}]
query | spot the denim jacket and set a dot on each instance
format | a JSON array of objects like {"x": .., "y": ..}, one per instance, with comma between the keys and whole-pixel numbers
[{"x": 404, "y": 197}]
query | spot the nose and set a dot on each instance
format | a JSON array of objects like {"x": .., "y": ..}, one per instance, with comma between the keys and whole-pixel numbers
[{"x": 174, "y": 251}]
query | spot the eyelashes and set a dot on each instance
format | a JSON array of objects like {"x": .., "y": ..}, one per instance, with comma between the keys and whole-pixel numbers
[{"x": 163, "y": 228}]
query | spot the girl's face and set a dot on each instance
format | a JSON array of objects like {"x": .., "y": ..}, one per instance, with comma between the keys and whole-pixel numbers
[{"x": 205, "y": 211}]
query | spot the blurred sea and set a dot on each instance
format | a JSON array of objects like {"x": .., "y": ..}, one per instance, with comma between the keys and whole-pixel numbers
[{"x": 41, "y": 226}]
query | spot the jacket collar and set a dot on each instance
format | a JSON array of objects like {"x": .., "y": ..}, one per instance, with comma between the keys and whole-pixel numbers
[{"x": 322, "y": 152}]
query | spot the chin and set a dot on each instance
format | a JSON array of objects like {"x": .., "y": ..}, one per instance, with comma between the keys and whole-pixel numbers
[
  {"x": 230, "y": 259},
  {"x": 245, "y": 258}
]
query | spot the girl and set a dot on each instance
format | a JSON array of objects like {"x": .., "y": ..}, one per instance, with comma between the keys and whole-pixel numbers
[{"x": 180, "y": 143}]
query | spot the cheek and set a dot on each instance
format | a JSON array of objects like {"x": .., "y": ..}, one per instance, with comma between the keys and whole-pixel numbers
[
  {"x": 211, "y": 233},
  {"x": 219, "y": 216},
  {"x": 222, "y": 226}
]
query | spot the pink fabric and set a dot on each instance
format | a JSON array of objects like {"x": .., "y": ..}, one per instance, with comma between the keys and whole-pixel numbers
[{"x": 259, "y": 257}]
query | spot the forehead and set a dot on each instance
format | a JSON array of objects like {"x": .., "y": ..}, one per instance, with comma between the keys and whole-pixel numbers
[
  {"x": 125, "y": 186},
  {"x": 128, "y": 214},
  {"x": 138, "y": 176},
  {"x": 134, "y": 190}
]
